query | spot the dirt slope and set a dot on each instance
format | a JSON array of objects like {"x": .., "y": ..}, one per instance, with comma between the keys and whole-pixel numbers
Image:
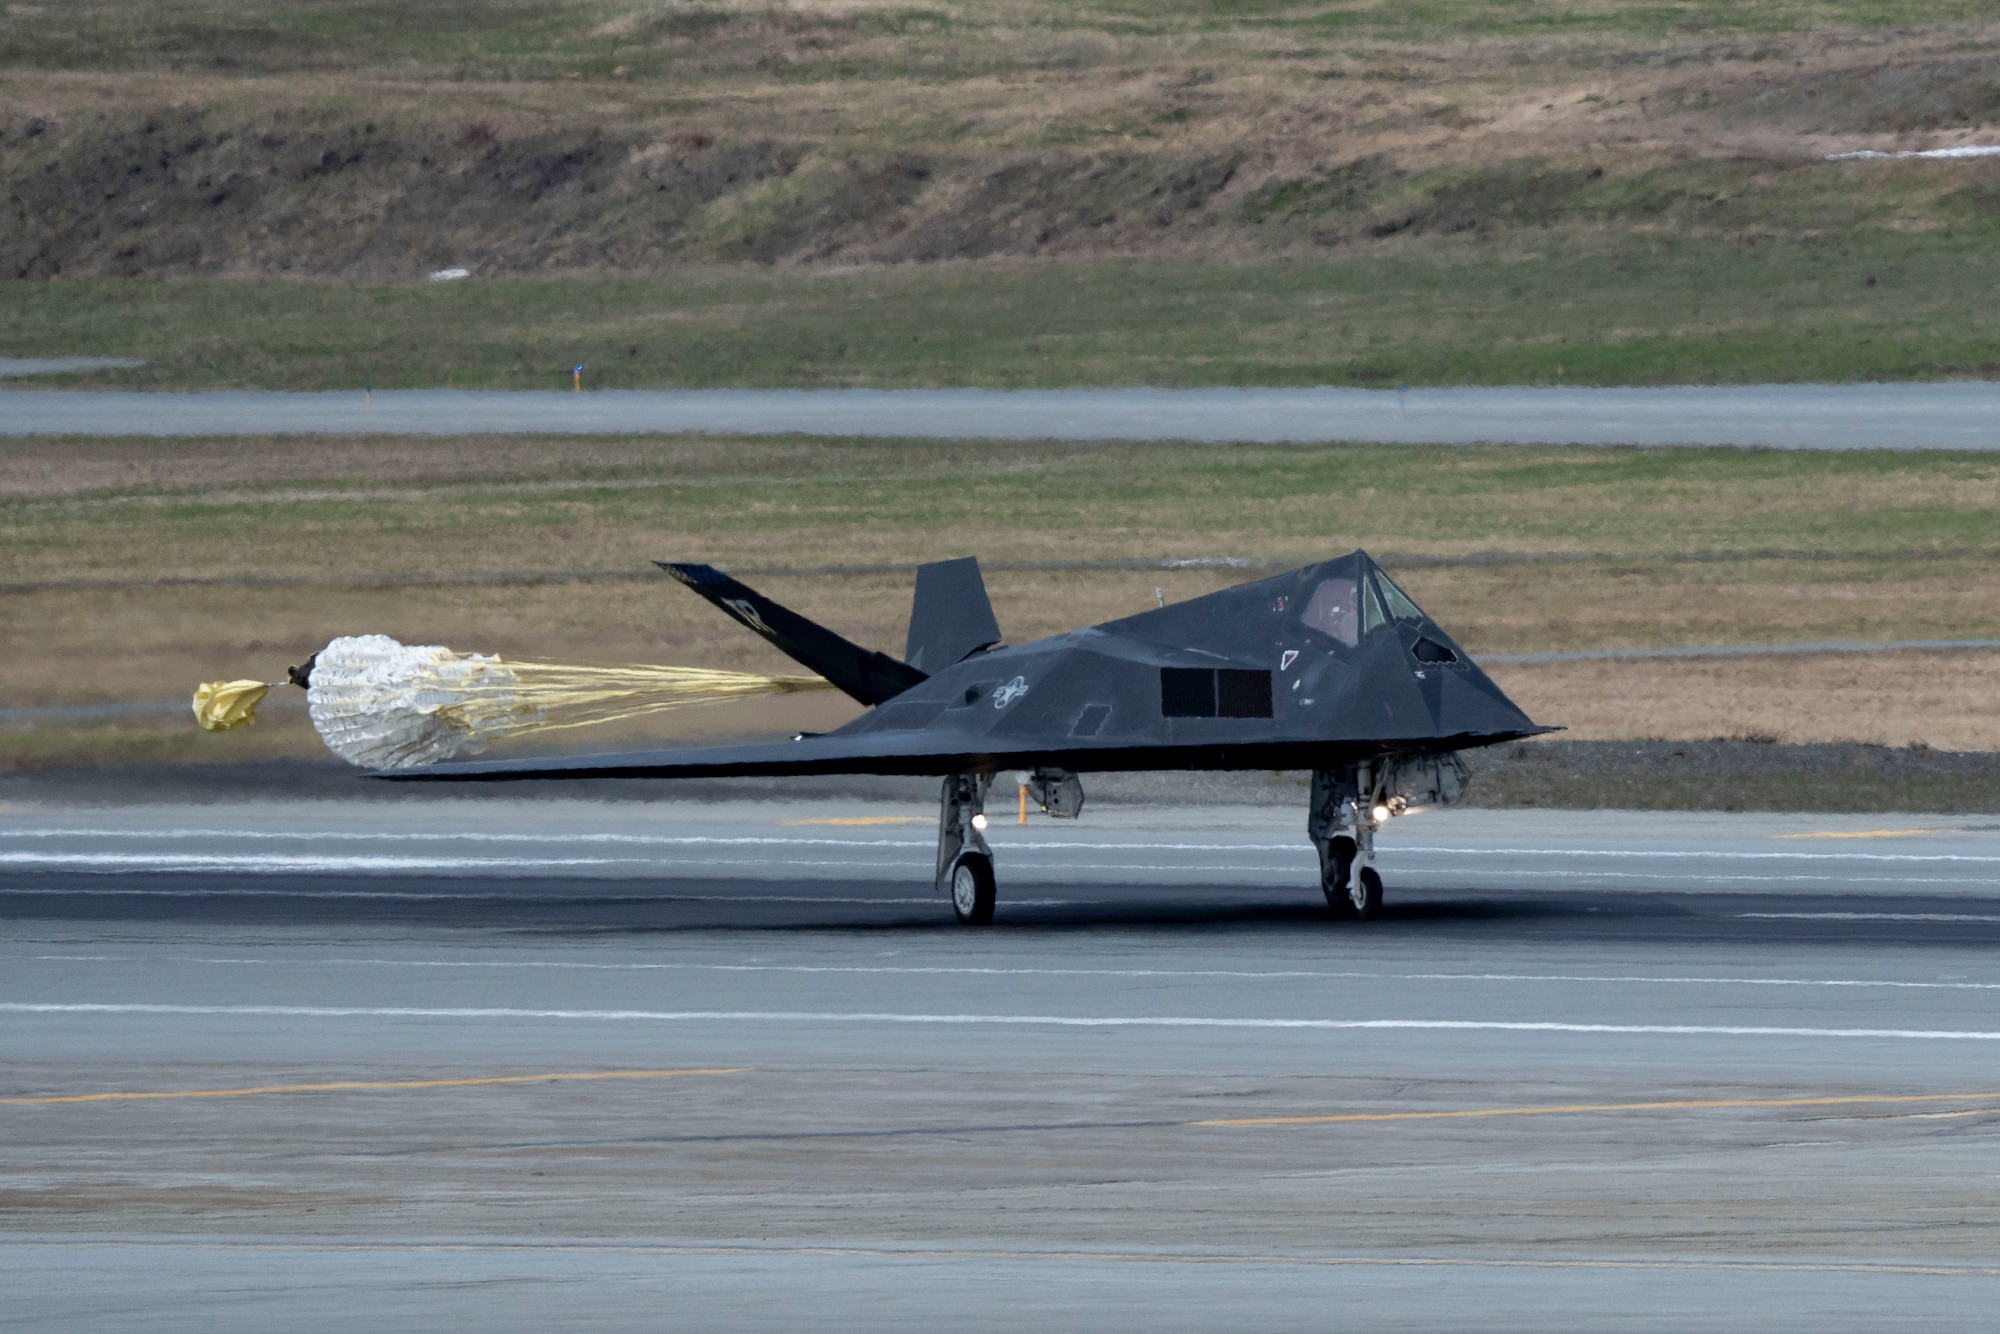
[{"x": 858, "y": 134}]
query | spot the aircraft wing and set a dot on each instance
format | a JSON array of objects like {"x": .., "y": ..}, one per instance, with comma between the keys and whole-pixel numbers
[
  {"x": 920, "y": 754},
  {"x": 807, "y": 755}
]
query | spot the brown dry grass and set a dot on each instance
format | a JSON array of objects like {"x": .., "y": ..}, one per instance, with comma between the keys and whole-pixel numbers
[
  {"x": 143, "y": 645},
  {"x": 1010, "y": 75},
  {"x": 973, "y": 89},
  {"x": 1511, "y": 609},
  {"x": 125, "y": 471},
  {"x": 87, "y": 510},
  {"x": 140, "y": 645},
  {"x": 76, "y": 647},
  {"x": 1948, "y": 701},
  {"x": 279, "y": 506}
]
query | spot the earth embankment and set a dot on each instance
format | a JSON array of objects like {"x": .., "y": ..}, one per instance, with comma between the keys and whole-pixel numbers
[{"x": 253, "y": 138}]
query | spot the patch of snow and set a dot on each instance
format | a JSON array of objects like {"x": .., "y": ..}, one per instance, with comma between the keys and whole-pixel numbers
[{"x": 1964, "y": 150}]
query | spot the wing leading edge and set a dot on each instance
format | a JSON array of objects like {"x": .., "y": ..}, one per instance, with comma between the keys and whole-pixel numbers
[
  {"x": 908, "y": 755},
  {"x": 865, "y": 674}
]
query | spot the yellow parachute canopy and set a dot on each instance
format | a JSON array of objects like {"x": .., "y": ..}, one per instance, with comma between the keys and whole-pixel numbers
[{"x": 222, "y": 705}]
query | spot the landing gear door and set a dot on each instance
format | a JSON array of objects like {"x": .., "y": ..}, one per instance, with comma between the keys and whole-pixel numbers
[
  {"x": 1426, "y": 780},
  {"x": 1057, "y": 791}
]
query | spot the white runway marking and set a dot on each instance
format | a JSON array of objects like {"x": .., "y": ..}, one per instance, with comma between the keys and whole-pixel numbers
[
  {"x": 606, "y": 897},
  {"x": 999, "y": 840},
  {"x": 1878, "y": 916},
  {"x": 1683, "y": 878},
  {"x": 995, "y": 1254},
  {"x": 429, "y": 894},
  {"x": 913, "y": 870},
  {"x": 1271, "y": 975},
  {"x": 305, "y": 863},
  {"x": 341, "y": 836},
  {"x": 1012, "y": 1020},
  {"x": 279, "y": 862},
  {"x": 1706, "y": 855}
]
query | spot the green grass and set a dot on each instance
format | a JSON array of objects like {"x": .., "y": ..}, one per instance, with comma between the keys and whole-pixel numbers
[
  {"x": 511, "y": 38},
  {"x": 1631, "y": 312}
]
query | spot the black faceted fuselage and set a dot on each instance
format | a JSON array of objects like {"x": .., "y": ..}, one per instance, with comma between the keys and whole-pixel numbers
[{"x": 1316, "y": 668}]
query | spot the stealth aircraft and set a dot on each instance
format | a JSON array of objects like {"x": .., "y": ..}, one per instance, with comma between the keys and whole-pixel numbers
[{"x": 1330, "y": 668}]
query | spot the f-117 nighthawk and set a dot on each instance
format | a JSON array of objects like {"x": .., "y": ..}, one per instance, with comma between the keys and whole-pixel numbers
[{"x": 1330, "y": 668}]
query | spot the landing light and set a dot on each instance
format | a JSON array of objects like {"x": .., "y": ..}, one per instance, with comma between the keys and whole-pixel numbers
[
  {"x": 1380, "y": 813},
  {"x": 979, "y": 822}
]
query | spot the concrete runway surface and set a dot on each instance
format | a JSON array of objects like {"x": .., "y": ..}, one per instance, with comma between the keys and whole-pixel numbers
[
  {"x": 534, "y": 1064},
  {"x": 1952, "y": 415},
  {"x": 60, "y": 365}
]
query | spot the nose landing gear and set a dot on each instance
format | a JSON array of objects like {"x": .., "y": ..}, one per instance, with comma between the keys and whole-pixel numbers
[{"x": 1342, "y": 825}]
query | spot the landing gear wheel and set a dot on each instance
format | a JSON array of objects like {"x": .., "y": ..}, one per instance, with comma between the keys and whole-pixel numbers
[
  {"x": 1366, "y": 900},
  {"x": 973, "y": 890},
  {"x": 1334, "y": 871}
]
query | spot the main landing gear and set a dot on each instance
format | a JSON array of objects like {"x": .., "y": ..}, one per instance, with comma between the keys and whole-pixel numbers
[
  {"x": 965, "y": 862},
  {"x": 1348, "y": 806},
  {"x": 1341, "y": 823}
]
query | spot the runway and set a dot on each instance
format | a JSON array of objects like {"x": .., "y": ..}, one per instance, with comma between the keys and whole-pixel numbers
[
  {"x": 1950, "y": 415},
  {"x": 731, "y": 1065}
]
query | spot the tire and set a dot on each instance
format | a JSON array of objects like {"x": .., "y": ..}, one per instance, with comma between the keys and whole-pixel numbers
[
  {"x": 972, "y": 890},
  {"x": 1334, "y": 868},
  {"x": 1370, "y": 906}
]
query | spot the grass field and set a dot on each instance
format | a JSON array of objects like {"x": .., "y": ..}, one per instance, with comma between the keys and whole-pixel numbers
[
  {"x": 1001, "y": 193},
  {"x": 1789, "y": 547},
  {"x": 1445, "y": 313},
  {"x": 1673, "y": 153},
  {"x": 592, "y": 37}
]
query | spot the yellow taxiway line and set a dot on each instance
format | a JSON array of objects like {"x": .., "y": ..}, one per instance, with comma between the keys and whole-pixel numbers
[
  {"x": 1341, "y": 1118},
  {"x": 1863, "y": 833},
  {"x": 1581, "y": 1108},
  {"x": 347, "y": 1085}
]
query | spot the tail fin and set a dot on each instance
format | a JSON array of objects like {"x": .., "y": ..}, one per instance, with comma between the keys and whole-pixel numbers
[
  {"x": 868, "y": 676},
  {"x": 950, "y": 619}
]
